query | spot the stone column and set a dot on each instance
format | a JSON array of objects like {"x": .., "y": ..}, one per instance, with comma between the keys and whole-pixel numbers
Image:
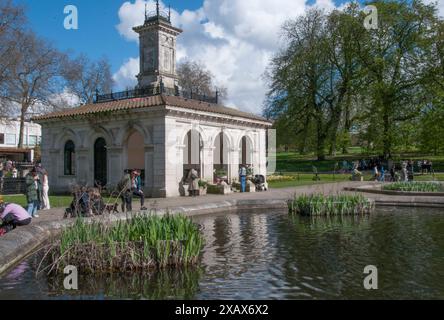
[
  {"x": 84, "y": 171},
  {"x": 234, "y": 164},
  {"x": 115, "y": 165},
  {"x": 208, "y": 164},
  {"x": 149, "y": 173}
]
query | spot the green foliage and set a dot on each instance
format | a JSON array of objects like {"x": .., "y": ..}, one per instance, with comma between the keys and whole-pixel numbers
[
  {"x": 321, "y": 205},
  {"x": 203, "y": 184},
  {"x": 334, "y": 78}
]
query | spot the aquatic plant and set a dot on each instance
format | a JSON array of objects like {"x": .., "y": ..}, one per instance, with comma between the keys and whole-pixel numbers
[
  {"x": 414, "y": 186},
  {"x": 140, "y": 243},
  {"x": 322, "y": 205}
]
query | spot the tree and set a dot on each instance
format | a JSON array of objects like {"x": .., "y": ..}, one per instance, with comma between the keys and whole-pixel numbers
[
  {"x": 312, "y": 77},
  {"x": 394, "y": 56},
  {"x": 33, "y": 78},
  {"x": 11, "y": 20},
  {"x": 194, "y": 77},
  {"x": 83, "y": 77}
]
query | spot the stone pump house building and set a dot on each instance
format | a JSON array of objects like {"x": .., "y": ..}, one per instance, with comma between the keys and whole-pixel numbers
[{"x": 156, "y": 128}]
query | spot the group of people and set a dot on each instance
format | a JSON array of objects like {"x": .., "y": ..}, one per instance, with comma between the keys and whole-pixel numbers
[
  {"x": 37, "y": 189},
  {"x": 131, "y": 186}
]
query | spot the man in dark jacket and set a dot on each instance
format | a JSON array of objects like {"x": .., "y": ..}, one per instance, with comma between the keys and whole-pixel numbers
[
  {"x": 33, "y": 192},
  {"x": 126, "y": 195}
]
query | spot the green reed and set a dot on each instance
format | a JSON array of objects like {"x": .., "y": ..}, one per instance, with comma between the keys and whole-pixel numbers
[
  {"x": 322, "y": 205},
  {"x": 142, "y": 242},
  {"x": 414, "y": 186}
]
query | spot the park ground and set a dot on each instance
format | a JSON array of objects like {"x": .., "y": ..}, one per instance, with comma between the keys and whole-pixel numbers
[{"x": 294, "y": 170}]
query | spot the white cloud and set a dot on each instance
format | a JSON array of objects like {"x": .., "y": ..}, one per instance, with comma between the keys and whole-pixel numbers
[
  {"x": 440, "y": 5},
  {"x": 125, "y": 77},
  {"x": 234, "y": 38}
]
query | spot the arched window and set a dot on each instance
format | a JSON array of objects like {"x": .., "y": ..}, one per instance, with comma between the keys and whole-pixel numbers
[{"x": 70, "y": 156}]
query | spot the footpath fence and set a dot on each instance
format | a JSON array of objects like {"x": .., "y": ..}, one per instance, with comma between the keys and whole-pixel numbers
[{"x": 10, "y": 186}]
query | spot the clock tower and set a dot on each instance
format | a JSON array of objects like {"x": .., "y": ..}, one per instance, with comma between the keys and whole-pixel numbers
[{"x": 157, "y": 50}]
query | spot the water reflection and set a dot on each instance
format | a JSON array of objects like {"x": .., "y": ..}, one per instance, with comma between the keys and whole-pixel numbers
[
  {"x": 274, "y": 256},
  {"x": 162, "y": 285}
]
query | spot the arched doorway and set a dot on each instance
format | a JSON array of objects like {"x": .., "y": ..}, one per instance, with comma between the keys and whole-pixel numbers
[
  {"x": 192, "y": 153},
  {"x": 245, "y": 152},
  {"x": 100, "y": 162},
  {"x": 221, "y": 157},
  {"x": 135, "y": 150}
]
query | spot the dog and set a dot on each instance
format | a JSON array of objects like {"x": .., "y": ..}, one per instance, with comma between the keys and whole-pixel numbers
[{"x": 112, "y": 208}]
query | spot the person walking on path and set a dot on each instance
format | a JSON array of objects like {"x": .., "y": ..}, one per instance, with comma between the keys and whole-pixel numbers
[
  {"x": 33, "y": 192},
  {"x": 136, "y": 183},
  {"x": 125, "y": 192},
  {"x": 243, "y": 178},
  {"x": 193, "y": 180},
  {"x": 12, "y": 216}
]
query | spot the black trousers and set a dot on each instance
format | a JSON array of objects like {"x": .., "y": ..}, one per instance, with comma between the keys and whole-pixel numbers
[
  {"x": 10, "y": 222},
  {"x": 141, "y": 195},
  {"x": 127, "y": 201}
]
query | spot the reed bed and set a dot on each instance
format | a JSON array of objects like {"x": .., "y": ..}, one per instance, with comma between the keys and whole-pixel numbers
[
  {"x": 321, "y": 205},
  {"x": 142, "y": 243},
  {"x": 414, "y": 186}
]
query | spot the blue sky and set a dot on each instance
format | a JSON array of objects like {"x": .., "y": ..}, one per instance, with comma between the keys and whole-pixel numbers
[
  {"x": 235, "y": 39},
  {"x": 97, "y": 35}
]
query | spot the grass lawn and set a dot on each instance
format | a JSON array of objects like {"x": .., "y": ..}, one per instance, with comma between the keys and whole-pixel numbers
[
  {"x": 56, "y": 201},
  {"x": 295, "y": 162},
  {"x": 306, "y": 179}
]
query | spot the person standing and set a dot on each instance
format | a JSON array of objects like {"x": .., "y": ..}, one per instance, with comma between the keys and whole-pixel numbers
[
  {"x": 243, "y": 178},
  {"x": 33, "y": 192},
  {"x": 193, "y": 180},
  {"x": 136, "y": 183},
  {"x": 45, "y": 190},
  {"x": 125, "y": 192},
  {"x": 375, "y": 173},
  {"x": 12, "y": 216}
]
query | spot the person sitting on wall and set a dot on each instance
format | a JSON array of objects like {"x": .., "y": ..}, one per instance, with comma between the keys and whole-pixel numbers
[
  {"x": 136, "y": 183},
  {"x": 12, "y": 216},
  {"x": 243, "y": 178},
  {"x": 125, "y": 192}
]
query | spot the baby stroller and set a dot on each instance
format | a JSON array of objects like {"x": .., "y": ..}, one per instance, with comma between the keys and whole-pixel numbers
[
  {"x": 86, "y": 203},
  {"x": 259, "y": 182}
]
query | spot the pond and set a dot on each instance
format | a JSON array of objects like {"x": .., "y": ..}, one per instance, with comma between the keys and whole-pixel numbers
[{"x": 273, "y": 256}]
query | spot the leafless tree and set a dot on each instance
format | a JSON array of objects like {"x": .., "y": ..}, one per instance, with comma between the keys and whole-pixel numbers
[
  {"x": 33, "y": 78},
  {"x": 83, "y": 77},
  {"x": 193, "y": 76},
  {"x": 12, "y": 19}
]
